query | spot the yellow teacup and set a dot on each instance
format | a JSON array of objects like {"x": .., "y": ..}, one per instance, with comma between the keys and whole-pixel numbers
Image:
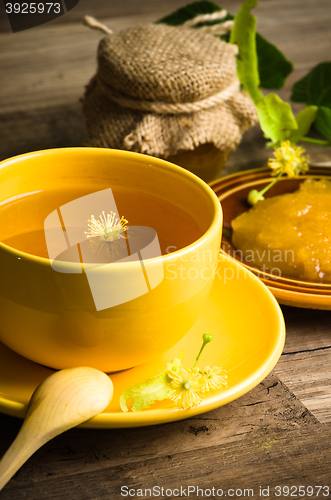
[{"x": 48, "y": 311}]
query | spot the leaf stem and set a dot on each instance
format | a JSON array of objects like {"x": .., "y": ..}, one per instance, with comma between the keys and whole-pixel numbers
[
  {"x": 264, "y": 190},
  {"x": 226, "y": 232},
  {"x": 254, "y": 196},
  {"x": 206, "y": 339},
  {"x": 315, "y": 141}
]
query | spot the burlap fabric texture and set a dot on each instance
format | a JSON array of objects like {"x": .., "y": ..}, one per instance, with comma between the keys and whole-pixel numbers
[{"x": 161, "y": 90}]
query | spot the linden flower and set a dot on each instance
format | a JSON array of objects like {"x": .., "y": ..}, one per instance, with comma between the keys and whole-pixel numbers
[
  {"x": 187, "y": 385},
  {"x": 289, "y": 159},
  {"x": 213, "y": 378},
  {"x": 107, "y": 228}
]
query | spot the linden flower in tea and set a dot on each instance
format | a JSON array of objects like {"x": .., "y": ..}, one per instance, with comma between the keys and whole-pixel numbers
[{"x": 108, "y": 228}]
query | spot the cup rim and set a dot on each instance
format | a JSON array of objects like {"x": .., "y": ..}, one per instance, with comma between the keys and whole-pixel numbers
[{"x": 140, "y": 157}]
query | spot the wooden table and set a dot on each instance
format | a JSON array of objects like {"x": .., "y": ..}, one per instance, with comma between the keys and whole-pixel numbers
[{"x": 278, "y": 433}]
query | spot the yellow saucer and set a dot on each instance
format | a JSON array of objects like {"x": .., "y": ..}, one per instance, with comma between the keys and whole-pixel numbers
[{"x": 248, "y": 332}]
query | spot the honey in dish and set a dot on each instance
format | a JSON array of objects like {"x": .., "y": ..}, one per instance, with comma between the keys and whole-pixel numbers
[
  {"x": 289, "y": 234},
  {"x": 22, "y": 219}
]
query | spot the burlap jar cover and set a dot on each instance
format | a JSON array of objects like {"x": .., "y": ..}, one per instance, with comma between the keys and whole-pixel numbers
[{"x": 162, "y": 90}]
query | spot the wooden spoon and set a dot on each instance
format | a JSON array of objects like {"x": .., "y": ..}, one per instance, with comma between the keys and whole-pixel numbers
[{"x": 64, "y": 399}]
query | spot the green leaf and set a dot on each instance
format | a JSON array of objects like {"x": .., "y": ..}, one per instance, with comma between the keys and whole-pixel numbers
[
  {"x": 190, "y": 11},
  {"x": 304, "y": 120},
  {"x": 315, "y": 87},
  {"x": 323, "y": 121},
  {"x": 243, "y": 35},
  {"x": 273, "y": 66},
  {"x": 276, "y": 118},
  {"x": 148, "y": 392}
]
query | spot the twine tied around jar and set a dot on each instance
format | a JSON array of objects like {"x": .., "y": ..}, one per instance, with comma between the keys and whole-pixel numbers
[{"x": 164, "y": 90}]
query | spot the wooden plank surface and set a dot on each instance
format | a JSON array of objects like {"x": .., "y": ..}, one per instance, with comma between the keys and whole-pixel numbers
[
  {"x": 264, "y": 461},
  {"x": 305, "y": 364},
  {"x": 65, "y": 59},
  {"x": 103, "y": 9},
  {"x": 45, "y": 70},
  {"x": 254, "y": 425},
  {"x": 309, "y": 379}
]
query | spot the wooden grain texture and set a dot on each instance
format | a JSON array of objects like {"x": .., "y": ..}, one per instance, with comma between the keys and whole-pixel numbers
[
  {"x": 261, "y": 414},
  {"x": 270, "y": 459},
  {"x": 305, "y": 364},
  {"x": 307, "y": 374},
  {"x": 306, "y": 330},
  {"x": 45, "y": 70},
  {"x": 50, "y": 66},
  {"x": 106, "y": 9},
  {"x": 264, "y": 458},
  {"x": 46, "y": 128}
]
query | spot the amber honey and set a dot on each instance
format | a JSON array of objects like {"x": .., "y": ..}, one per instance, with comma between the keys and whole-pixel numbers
[{"x": 289, "y": 234}]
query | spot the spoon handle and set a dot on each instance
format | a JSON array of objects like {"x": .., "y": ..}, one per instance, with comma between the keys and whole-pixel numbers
[
  {"x": 18, "y": 453},
  {"x": 62, "y": 401},
  {"x": 32, "y": 436}
]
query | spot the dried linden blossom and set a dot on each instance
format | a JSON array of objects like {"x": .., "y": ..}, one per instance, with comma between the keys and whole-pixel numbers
[
  {"x": 289, "y": 159},
  {"x": 213, "y": 378},
  {"x": 186, "y": 387},
  {"x": 108, "y": 228}
]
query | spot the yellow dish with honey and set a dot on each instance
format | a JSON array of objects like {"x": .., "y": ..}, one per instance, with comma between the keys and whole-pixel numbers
[{"x": 289, "y": 234}]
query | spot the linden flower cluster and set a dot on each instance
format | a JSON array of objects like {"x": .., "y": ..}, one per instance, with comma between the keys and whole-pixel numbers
[
  {"x": 289, "y": 159},
  {"x": 190, "y": 385},
  {"x": 108, "y": 228},
  {"x": 186, "y": 387}
]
